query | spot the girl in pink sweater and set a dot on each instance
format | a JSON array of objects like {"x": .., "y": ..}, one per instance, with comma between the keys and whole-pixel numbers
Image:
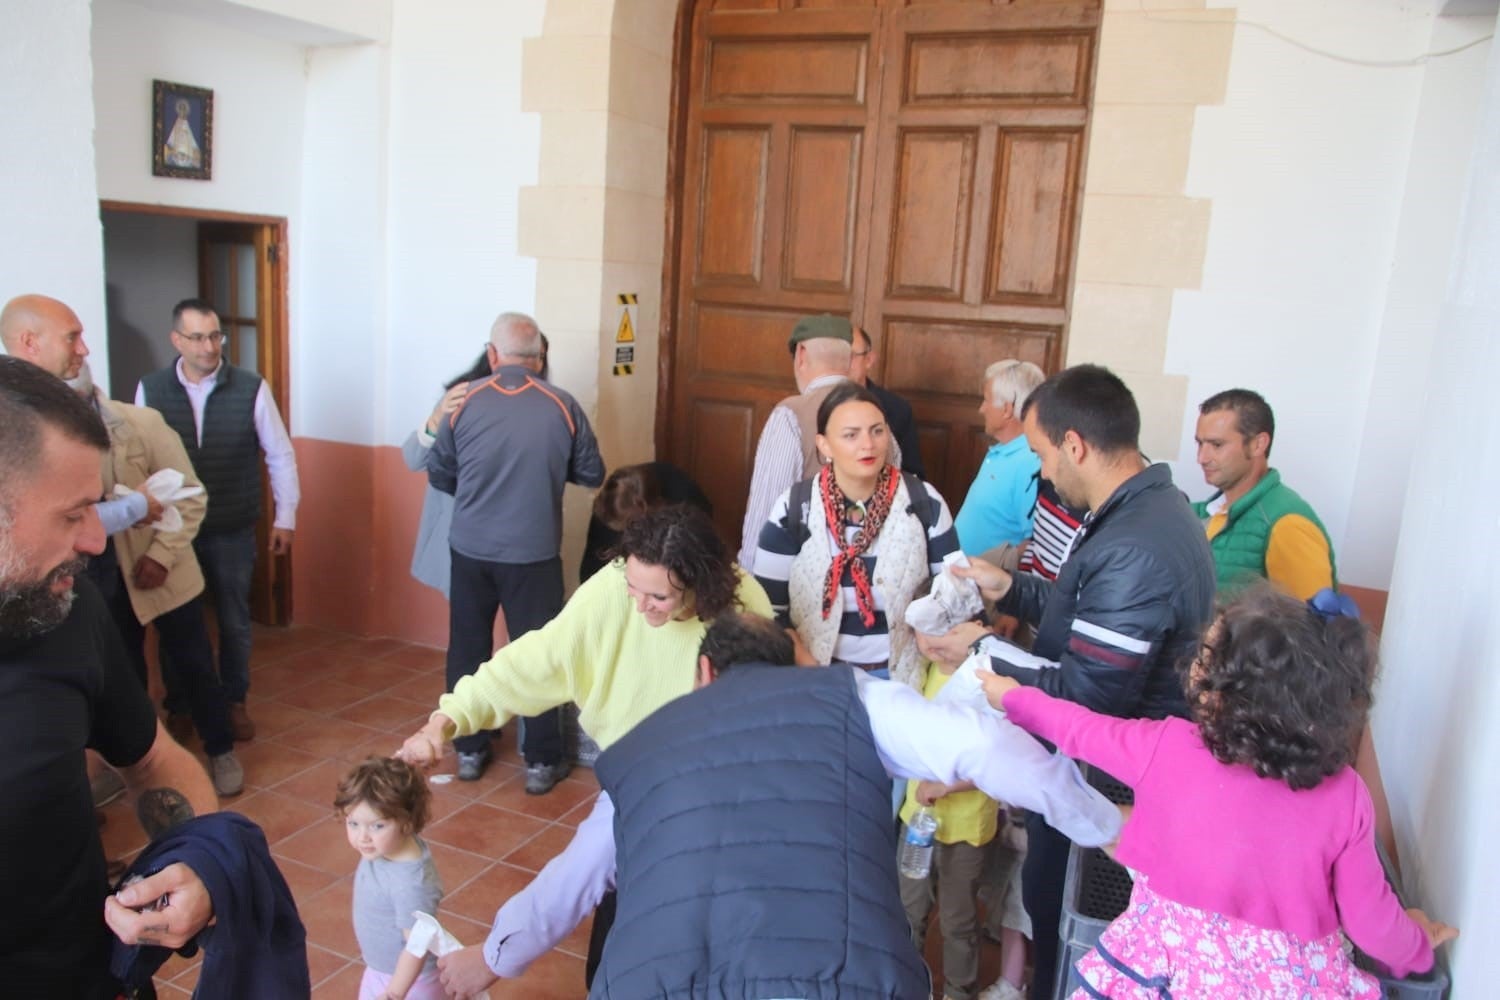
[{"x": 1252, "y": 838}]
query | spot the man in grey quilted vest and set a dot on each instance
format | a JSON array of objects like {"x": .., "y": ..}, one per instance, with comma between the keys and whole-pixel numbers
[
  {"x": 753, "y": 845},
  {"x": 226, "y": 418}
]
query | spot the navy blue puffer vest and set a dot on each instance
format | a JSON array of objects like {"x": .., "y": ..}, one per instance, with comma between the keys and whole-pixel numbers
[
  {"x": 756, "y": 852},
  {"x": 228, "y": 461}
]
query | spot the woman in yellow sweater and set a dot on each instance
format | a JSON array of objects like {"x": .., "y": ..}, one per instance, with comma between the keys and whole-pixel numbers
[{"x": 625, "y": 644}]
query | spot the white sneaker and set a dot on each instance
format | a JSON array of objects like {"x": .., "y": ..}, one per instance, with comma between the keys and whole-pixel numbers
[
  {"x": 227, "y": 774},
  {"x": 1002, "y": 990}
]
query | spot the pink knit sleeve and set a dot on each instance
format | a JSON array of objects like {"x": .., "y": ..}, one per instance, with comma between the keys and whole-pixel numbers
[
  {"x": 1123, "y": 748},
  {"x": 1369, "y": 911}
]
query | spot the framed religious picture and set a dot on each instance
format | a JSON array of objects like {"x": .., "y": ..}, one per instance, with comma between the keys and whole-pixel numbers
[{"x": 182, "y": 131}]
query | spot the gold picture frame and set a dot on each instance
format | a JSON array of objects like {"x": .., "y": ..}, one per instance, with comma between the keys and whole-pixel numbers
[{"x": 182, "y": 131}]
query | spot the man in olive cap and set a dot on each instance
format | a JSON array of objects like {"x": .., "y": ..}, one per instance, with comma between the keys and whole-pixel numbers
[{"x": 787, "y": 452}]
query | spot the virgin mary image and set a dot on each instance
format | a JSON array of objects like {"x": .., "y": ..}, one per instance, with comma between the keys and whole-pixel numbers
[{"x": 181, "y": 148}]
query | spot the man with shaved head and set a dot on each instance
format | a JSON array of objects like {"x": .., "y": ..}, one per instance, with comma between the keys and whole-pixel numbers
[
  {"x": 48, "y": 334},
  {"x": 45, "y": 332}
]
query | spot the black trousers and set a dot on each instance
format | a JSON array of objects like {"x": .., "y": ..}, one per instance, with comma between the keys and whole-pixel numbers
[
  {"x": 183, "y": 634},
  {"x": 532, "y": 595},
  {"x": 1043, "y": 875}
]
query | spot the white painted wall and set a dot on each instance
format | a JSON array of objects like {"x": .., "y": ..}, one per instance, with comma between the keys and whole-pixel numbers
[
  {"x": 1439, "y": 698},
  {"x": 48, "y": 198},
  {"x": 259, "y": 88},
  {"x": 459, "y": 151},
  {"x": 1435, "y": 180},
  {"x": 338, "y": 308},
  {"x": 151, "y": 264},
  {"x": 1310, "y": 166}
]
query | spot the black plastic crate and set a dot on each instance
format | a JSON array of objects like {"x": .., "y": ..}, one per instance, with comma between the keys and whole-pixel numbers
[{"x": 1098, "y": 890}]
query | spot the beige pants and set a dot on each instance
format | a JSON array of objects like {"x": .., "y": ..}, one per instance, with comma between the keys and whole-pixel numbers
[{"x": 956, "y": 869}]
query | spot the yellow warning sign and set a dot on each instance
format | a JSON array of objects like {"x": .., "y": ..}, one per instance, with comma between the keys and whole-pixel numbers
[
  {"x": 624, "y": 369},
  {"x": 626, "y": 333}
]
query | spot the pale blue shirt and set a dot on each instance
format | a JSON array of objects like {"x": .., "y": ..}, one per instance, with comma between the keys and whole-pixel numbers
[
  {"x": 998, "y": 508},
  {"x": 914, "y": 738},
  {"x": 119, "y": 514}
]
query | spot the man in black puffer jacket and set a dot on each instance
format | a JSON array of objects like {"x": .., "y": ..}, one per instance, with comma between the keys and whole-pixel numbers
[{"x": 1129, "y": 604}]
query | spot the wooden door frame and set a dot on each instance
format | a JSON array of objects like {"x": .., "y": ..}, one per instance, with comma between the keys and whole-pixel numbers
[
  {"x": 677, "y": 121},
  {"x": 279, "y": 375}
]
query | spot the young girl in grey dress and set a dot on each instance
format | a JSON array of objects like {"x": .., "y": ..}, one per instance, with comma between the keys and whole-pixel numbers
[{"x": 384, "y": 804}]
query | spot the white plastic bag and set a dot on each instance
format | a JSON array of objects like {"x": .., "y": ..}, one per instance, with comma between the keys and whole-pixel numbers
[
  {"x": 164, "y": 486},
  {"x": 427, "y": 935},
  {"x": 951, "y": 602},
  {"x": 964, "y": 688}
]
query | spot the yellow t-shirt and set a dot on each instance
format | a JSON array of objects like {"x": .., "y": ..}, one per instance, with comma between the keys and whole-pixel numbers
[
  {"x": 963, "y": 817},
  {"x": 600, "y": 653}
]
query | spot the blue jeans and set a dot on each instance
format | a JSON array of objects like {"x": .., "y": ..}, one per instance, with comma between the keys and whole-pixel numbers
[{"x": 228, "y": 561}]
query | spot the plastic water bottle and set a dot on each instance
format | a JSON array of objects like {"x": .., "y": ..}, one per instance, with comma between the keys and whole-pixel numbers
[{"x": 915, "y": 860}]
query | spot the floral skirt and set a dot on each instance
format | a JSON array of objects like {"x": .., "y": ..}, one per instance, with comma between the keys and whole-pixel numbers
[{"x": 1159, "y": 949}]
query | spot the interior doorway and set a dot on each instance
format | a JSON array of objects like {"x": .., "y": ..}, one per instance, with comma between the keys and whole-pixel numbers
[
  {"x": 155, "y": 256},
  {"x": 915, "y": 167}
]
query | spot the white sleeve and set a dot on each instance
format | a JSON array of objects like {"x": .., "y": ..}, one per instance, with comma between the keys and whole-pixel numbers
[
  {"x": 929, "y": 741},
  {"x": 778, "y": 464},
  {"x": 281, "y": 460},
  {"x": 536, "y": 919}
]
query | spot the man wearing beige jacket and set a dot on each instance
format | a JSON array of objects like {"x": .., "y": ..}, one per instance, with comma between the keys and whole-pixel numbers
[{"x": 155, "y": 577}]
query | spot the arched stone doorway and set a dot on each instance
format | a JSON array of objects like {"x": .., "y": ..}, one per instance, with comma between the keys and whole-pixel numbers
[{"x": 602, "y": 77}]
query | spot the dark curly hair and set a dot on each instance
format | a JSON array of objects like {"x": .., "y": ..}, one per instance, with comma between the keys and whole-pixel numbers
[
  {"x": 1280, "y": 689},
  {"x": 682, "y": 540},
  {"x": 393, "y": 788}
]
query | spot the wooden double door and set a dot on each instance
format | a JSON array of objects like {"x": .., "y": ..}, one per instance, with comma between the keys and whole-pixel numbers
[{"x": 913, "y": 165}]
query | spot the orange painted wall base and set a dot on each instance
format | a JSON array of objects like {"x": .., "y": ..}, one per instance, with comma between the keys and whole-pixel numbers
[
  {"x": 356, "y": 526},
  {"x": 1371, "y": 604}
]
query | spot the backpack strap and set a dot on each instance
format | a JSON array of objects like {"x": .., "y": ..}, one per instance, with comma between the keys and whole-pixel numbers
[
  {"x": 921, "y": 501},
  {"x": 797, "y": 500}
]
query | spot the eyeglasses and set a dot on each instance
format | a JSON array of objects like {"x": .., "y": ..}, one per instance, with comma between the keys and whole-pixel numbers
[{"x": 216, "y": 338}]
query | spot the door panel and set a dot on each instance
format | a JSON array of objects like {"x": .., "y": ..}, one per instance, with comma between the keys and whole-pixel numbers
[
  {"x": 237, "y": 272},
  {"x": 930, "y": 232},
  {"x": 818, "y": 238},
  {"x": 912, "y": 165},
  {"x": 734, "y": 196},
  {"x": 1029, "y": 256}
]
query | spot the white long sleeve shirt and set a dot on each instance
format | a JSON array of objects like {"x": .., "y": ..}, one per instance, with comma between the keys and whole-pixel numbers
[
  {"x": 281, "y": 460},
  {"x": 914, "y": 738}
]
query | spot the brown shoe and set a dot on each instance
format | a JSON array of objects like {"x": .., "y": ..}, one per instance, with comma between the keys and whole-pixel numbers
[{"x": 239, "y": 722}]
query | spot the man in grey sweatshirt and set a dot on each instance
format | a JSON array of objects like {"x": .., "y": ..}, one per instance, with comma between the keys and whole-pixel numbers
[{"x": 505, "y": 454}]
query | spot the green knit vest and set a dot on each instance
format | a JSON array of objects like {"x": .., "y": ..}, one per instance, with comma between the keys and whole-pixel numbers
[{"x": 1240, "y": 549}]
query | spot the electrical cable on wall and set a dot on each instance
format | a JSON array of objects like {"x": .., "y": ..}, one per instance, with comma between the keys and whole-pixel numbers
[{"x": 1323, "y": 53}]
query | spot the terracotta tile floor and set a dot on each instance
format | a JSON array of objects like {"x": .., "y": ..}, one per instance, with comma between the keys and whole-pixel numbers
[{"x": 322, "y": 700}]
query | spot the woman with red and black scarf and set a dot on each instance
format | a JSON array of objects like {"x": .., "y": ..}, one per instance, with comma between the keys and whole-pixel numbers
[{"x": 844, "y": 552}]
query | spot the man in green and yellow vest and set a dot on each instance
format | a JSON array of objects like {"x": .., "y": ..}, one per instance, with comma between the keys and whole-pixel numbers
[{"x": 1257, "y": 526}]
